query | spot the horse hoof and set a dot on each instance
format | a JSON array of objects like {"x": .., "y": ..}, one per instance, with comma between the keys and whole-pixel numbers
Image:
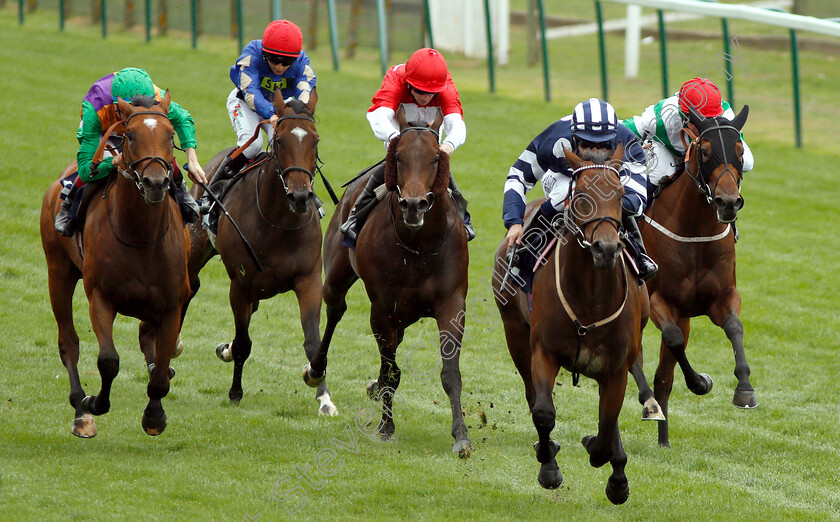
[
  {"x": 373, "y": 390},
  {"x": 549, "y": 476},
  {"x": 171, "y": 371},
  {"x": 618, "y": 495},
  {"x": 84, "y": 427},
  {"x": 310, "y": 379},
  {"x": 652, "y": 411},
  {"x": 328, "y": 409},
  {"x": 179, "y": 348},
  {"x": 153, "y": 426},
  {"x": 224, "y": 353},
  {"x": 745, "y": 400},
  {"x": 704, "y": 386},
  {"x": 463, "y": 448}
]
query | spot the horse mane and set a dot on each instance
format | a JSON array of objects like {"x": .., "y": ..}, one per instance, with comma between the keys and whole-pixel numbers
[
  {"x": 441, "y": 179},
  {"x": 299, "y": 107},
  {"x": 143, "y": 101}
]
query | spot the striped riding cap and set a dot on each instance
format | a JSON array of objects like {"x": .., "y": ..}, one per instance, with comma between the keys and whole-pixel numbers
[{"x": 594, "y": 120}]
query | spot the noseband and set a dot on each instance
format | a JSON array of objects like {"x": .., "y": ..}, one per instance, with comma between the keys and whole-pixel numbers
[
  {"x": 130, "y": 171},
  {"x": 702, "y": 179},
  {"x": 400, "y": 199},
  {"x": 568, "y": 212},
  {"x": 281, "y": 172}
]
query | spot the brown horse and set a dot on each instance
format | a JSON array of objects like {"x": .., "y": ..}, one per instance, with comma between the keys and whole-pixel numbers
[
  {"x": 273, "y": 205},
  {"x": 690, "y": 237},
  {"x": 585, "y": 280},
  {"x": 412, "y": 256},
  {"x": 132, "y": 258}
]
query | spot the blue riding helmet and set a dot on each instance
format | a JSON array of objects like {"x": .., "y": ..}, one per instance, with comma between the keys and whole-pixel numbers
[{"x": 594, "y": 120}]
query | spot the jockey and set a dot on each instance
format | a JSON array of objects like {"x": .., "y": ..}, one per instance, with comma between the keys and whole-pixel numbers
[
  {"x": 593, "y": 133},
  {"x": 423, "y": 85},
  {"x": 273, "y": 66},
  {"x": 661, "y": 126},
  {"x": 98, "y": 112}
]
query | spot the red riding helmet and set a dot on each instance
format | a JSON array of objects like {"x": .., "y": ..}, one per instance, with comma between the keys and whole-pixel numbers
[
  {"x": 702, "y": 95},
  {"x": 426, "y": 70},
  {"x": 283, "y": 38}
]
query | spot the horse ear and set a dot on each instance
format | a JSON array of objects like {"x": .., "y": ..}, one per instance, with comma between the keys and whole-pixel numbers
[
  {"x": 279, "y": 104},
  {"x": 618, "y": 155},
  {"x": 401, "y": 117},
  {"x": 164, "y": 103},
  {"x": 695, "y": 117},
  {"x": 124, "y": 108},
  {"x": 313, "y": 100},
  {"x": 438, "y": 120},
  {"x": 739, "y": 120},
  {"x": 573, "y": 159}
]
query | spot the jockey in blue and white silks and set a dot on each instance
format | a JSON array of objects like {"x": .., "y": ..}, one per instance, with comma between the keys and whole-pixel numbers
[{"x": 593, "y": 131}]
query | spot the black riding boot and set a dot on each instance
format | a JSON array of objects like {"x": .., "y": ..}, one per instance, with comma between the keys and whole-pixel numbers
[
  {"x": 364, "y": 204},
  {"x": 647, "y": 267},
  {"x": 190, "y": 211},
  {"x": 64, "y": 220},
  {"x": 461, "y": 206},
  {"x": 225, "y": 172}
]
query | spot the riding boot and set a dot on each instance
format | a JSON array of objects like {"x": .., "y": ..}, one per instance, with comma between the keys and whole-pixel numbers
[
  {"x": 647, "y": 267},
  {"x": 225, "y": 172},
  {"x": 364, "y": 204},
  {"x": 461, "y": 206},
  {"x": 190, "y": 211},
  {"x": 534, "y": 239},
  {"x": 64, "y": 220}
]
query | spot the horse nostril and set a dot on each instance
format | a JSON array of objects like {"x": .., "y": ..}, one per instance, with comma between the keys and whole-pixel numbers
[
  {"x": 423, "y": 205},
  {"x": 739, "y": 203},
  {"x": 290, "y": 197},
  {"x": 719, "y": 202},
  {"x": 310, "y": 196},
  {"x": 598, "y": 247},
  {"x": 403, "y": 204}
]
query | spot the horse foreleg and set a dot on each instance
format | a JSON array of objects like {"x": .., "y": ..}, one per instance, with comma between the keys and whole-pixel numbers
[
  {"x": 385, "y": 388},
  {"x": 650, "y": 408},
  {"x": 240, "y": 349},
  {"x": 543, "y": 373},
  {"x": 62, "y": 283},
  {"x": 726, "y": 317},
  {"x": 102, "y": 316},
  {"x": 618, "y": 488},
  {"x": 308, "y": 292},
  {"x": 451, "y": 327},
  {"x": 675, "y": 337},
  {"x": 154, "y": 418}
]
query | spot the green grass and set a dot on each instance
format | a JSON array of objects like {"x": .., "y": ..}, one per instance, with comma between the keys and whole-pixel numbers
[{"x": 221, "y": 461}]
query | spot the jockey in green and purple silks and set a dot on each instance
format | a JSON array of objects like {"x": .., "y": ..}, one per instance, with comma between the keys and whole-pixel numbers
[{"x": 98, "y": 112}]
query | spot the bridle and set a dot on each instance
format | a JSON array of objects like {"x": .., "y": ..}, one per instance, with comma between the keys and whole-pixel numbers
[
  {"x": 568, "y": 213},
  {"x": 701, "y": 177},
  {"x": 280, "y": 171},
  {"x": 130, "y": 170},
  {"x": 433, "y": 198}
]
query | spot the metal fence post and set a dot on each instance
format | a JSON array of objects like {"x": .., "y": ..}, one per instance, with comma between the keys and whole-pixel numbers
[
  {"x": 602, "y": 48},
  {"x": 276, "y": 10},
  {"x": 194, "y": 23},
  {"x": 333, "y": 33},
  {"x": 148, "y": 21},
  {"x": 663, "y": 52},
  {"x": 428, "y": 16},
  {"x": 730, "y": 80},
  {"x": 490, "y": 65},
  {"x": 383, "y": 36},
  {"x": 20, "y": 12},
  {"x": 546, "y": 75},
  {"x": 61, "y": 15},
  {"x": 104, "y": 20},
  {"x": 797, "y": 116}
]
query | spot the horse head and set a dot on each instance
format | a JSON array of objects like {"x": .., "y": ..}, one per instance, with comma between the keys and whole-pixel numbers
[
  {"x": 416, "y": 168},
  {"x": 716, "y": 157},
  {"x": 595, "y": 200},
  {"x": 295, "y": 148},
  {"x": 147, "y": 152}
]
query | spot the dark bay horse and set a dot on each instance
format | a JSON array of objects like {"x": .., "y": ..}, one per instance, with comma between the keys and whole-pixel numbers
[
  {"x": 132, "y": 259},
  {"x": 273, "y": 205},
  {"x": 412, "y": 256},
  {"x": 587, "y": 316},
  {"x": 688, "y": 233}
]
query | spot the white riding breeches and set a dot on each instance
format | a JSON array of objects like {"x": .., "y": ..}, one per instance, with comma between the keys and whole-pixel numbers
[
  {"x": 661, "y": 162},
  {"x": 245, "y": 122}
]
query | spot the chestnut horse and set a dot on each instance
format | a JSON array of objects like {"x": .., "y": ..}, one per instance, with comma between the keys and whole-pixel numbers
[
  {"x": 688, "y": 233},
  {"x": 132, "y": 258},
  {"x": 412, "y": 256},
  {"x": 273, "y": 205},
  {"x": 585, "y": 281}
]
